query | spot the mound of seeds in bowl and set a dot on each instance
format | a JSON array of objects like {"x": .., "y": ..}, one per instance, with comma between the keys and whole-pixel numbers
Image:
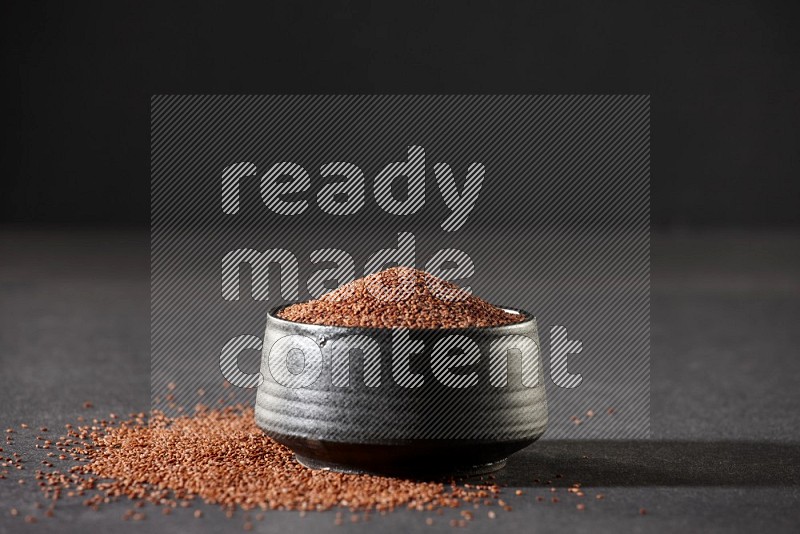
[
  {"x": 221, "y": 457},
  {"x": 400, "y": 297}
]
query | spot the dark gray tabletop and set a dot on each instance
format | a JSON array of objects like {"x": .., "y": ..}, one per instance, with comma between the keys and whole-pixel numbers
[{"x": 724, "y": 454}]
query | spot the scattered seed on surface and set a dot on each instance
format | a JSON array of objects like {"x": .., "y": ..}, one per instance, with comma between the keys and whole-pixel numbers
[{"x": 154, "y": 459}]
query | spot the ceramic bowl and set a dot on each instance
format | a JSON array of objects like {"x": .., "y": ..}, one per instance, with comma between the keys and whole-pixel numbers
[{"x": 401, "y": 401}]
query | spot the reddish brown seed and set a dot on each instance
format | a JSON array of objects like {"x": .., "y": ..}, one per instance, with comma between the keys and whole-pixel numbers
[
  {"x": 599, "y": 496},
  {"x": 43, "y": 429},
  {"x": 590, "y": 413},
  {"x": 241, "y": 469},
  {"x": 399, "y": 297},
  {"x": 554, "y": 499},
  {"x": 198, "y": 513},
  {"x": 88, "y": 405},
  {"x": 519, "y": 492},
  {"x": 610, "y": 411},
  {"x": 642, "y": 511},
  {"x": 540, "y": 498},
  {"x": 23, "y": 425},
  {"x": 580, "y": 506}
]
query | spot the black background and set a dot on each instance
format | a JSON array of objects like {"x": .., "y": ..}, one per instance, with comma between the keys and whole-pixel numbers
[{"x": 723, "y": 77}]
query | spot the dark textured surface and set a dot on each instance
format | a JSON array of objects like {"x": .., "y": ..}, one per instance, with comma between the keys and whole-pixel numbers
[{"x": 724, "y": 454}]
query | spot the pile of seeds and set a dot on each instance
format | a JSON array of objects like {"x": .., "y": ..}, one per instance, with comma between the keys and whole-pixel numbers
[
  {"x": 400, "y": 297},
  {"x": 222, "y": 457}
]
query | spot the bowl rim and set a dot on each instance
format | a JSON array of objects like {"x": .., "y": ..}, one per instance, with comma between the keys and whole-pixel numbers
[{"x": 527, "y": 323}]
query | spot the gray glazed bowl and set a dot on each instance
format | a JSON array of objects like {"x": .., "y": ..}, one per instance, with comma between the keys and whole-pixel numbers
[{"x": 402, "y": 401}]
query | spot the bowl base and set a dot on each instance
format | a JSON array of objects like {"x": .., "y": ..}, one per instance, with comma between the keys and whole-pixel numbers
[
  {"x": 457, "y": 471},
  {"x": 416, "y": 459}
]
